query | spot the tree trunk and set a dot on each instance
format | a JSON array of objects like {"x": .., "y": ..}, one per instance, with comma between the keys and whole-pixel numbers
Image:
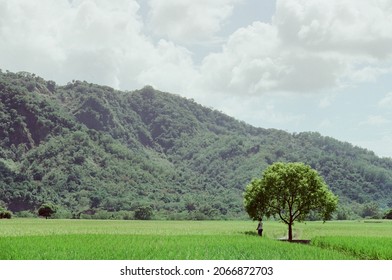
[{"x": 290, "y": 231}]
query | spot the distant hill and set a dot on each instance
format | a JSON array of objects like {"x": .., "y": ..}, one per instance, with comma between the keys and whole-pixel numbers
[{"x": 98, "y": 152}]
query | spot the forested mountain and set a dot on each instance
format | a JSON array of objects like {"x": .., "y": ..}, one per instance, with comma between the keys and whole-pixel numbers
[{"x": 98, "y": 152}]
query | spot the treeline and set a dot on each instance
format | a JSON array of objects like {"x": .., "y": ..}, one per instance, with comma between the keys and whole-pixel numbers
[{"x": 97, "y": 152}]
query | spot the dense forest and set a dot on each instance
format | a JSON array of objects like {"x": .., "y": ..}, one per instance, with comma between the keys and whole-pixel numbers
[{"x": 96, "y": 152}]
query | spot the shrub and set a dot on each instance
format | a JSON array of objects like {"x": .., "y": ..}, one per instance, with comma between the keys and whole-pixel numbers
[
  {"x": 143, "y": 213},
  {"x": 25, "y": 214},
  {"x": 62, "y": 214},
  {"x": 5, "y": 214},
  {"x": 388, "y": 215}
]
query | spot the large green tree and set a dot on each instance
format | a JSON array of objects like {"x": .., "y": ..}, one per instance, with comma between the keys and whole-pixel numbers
[{"x": 290, "y": 191}]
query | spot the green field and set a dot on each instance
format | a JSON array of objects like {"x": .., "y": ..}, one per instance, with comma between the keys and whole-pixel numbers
[{"x": 28, "y": 239}]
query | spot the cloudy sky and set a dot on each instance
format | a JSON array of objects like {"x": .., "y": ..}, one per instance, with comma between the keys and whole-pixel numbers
[{"x": 296, "y": 65}]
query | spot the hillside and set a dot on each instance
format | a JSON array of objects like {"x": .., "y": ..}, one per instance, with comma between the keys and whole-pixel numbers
[{"x": 104, "y": 153}]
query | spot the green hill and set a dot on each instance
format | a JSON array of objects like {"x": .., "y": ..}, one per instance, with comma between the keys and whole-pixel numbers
[{"x": 105, "y": 153}]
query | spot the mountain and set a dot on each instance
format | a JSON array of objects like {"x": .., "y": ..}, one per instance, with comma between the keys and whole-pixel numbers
[{"x": 98, "y": 152}]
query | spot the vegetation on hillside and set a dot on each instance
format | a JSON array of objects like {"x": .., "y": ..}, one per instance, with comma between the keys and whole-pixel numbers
[{"x": 96, "y": 152}]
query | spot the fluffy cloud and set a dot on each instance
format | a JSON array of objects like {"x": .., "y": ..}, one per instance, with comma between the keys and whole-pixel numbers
[
  {"x": 353, "y": 27},
  {"x": 255, "y": 60},
  {"x": 326, "y": 123},
  {"x": 246, "y": 63},
  {"x": 189, "y": 21},
  {"x": 375, "y": 120},
  {"x": 354, "y": 35},
  {"x": 98, "y": 41},
  {"x": 308, "y": 47},
  {"x": 386, "y": 102},
  {"x": 171, "y": 68},
  {"x": 326, "y": 101}
]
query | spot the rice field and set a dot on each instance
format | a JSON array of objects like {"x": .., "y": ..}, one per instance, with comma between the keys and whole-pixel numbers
[
  {"x": 39, "y": 239},
  {"x": 371, "y": 248}
]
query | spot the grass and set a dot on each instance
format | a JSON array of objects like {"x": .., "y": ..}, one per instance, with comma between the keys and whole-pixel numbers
[
  {"x": 171, "y": 247},
  {"x": 371, "y": 248},
  {"x": 28, "y": 239}
]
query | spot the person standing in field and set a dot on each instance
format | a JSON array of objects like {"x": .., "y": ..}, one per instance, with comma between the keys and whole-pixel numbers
[{"x": 260, "y": 227}]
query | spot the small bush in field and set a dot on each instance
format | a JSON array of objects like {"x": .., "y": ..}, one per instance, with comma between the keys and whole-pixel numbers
[{"x": 5, "y": 214}]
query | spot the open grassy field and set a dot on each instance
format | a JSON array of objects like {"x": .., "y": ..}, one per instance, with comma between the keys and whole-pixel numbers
[{"x": 27, "y": 239}]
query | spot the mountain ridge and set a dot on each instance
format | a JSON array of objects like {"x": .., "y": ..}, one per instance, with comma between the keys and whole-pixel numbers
[{"x": 90, "y": 147}]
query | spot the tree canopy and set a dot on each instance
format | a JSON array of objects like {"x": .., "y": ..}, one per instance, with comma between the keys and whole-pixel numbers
[
  {"x": 290, "y": 191},
  {"x": 47, "y": 209}
]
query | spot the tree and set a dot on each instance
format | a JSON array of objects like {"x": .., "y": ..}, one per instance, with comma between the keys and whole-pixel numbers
[
  {"x": 371, "y": 210},
  {"x": 388, "y": 215},
  {"x": 46, "y": 210},
  {"x": 5, "y": 214},
  {"x": 143, "y": 213},
  {"x": 290, "y": 191}
]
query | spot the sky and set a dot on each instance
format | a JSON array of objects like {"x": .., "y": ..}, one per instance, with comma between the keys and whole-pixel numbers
[{"x": 295, "y": 65}]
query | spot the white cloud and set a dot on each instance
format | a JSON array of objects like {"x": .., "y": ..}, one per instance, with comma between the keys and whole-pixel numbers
[
  {"x": 98, "y": 41},
  {"x": 368, "y": 73},
  {"x": 171, "y": 68},
  {"x": 326, "y": 123},
  {"x": 327, "y": 101},
  {"x": 352, "y": 27},
  {"x": 354, "y": 35},
  {"x": 272, "y": 115},
  {"x": 255, "y": 61},
  {"x": 380, "y": 145},
  {"x": 386, "y": 102},
  {"x": 375, "y": 120},
  {"x": 262, "y": 111},
  {"x": 246, "y": 65},
  {"x": 309, "y": 46},
  {"x": 189, "y": 21}
]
